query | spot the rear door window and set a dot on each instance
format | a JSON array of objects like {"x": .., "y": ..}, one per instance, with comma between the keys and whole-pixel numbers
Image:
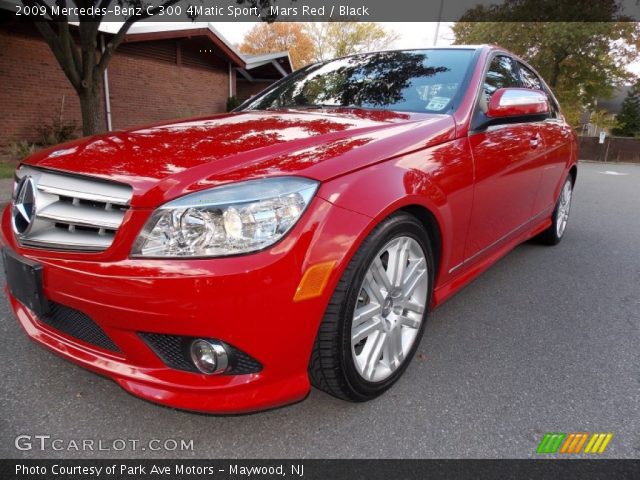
[
  {"x": 531, "y": 80},
  {"x": 501, "y": 74}
]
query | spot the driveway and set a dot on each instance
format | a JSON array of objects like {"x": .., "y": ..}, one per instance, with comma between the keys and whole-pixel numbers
[{"x": 545, "y": 341}]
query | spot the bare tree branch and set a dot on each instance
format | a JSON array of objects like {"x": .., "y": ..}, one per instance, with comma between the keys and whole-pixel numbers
[
  {"x": 67, "y": 42},
  {"x": 59, "y": 50}
]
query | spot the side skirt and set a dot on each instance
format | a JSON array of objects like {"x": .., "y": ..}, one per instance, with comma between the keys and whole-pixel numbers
[{"x": 470, "y": 272}]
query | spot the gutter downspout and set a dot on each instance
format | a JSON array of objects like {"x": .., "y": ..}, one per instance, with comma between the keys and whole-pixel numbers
[
  {"x": 230, "y": 80},
  {"x": 105, "y": 80}
]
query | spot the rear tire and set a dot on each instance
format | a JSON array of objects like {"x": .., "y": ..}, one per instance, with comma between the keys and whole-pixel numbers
[
  {"x": 377, "y": 314},
  {"x": 560, "y": 217}
]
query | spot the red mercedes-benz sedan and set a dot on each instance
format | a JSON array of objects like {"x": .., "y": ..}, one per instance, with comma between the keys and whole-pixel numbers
[{"x": 226, "y": 264}]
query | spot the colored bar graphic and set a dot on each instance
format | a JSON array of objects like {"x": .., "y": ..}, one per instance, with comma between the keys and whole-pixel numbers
[
  {"x": 581, "y": 443},
  {"x": 598, "y": 443},
  {"x": 551, "y": 442},
  {"x": 573, "y": 443}
]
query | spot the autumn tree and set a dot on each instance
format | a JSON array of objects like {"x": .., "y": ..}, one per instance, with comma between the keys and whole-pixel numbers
[
  {"x": 336, "y": 39},
  {"x": 602, "y": 119},
  {"x": 80, "y": 56},
  {"x": 279, "y": 37},
  {"x": 312, "y": 42},
  {"x": 581, "y": 61},
  {"x": 628, "y": 120}
]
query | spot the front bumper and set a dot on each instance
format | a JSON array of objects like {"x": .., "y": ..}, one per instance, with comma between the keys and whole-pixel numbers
[{"x": 246, "y": 301}]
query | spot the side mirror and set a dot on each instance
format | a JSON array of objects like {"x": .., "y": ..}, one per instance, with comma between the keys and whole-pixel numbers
[{"x": 517, "y": 102}]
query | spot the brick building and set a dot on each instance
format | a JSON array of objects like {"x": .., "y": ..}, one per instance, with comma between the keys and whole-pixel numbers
[{"x": 157, "y": 73}]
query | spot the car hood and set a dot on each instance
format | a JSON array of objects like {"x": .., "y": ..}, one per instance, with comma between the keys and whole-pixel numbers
[{"x": 165, "y": 161}]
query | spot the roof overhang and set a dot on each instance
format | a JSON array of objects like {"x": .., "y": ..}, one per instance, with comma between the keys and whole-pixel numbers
[
  {"x": 208, "y": 32},
  {"x": 266, "y": 67}
]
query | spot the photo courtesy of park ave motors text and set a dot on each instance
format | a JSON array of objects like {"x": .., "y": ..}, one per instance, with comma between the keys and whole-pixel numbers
[{"x": 305, "y": 229}]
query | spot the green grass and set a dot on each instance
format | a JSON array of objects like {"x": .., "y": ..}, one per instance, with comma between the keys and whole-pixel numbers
[{"x": 7, "y": 169}]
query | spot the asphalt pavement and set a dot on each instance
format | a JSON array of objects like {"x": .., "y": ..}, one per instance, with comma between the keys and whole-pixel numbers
[
  {"x": 6, "y": 188},
  {"x": 547, "y": 340}
]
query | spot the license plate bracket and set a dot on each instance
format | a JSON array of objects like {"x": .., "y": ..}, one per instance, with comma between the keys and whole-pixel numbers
[{"x": 24, "y": 279}]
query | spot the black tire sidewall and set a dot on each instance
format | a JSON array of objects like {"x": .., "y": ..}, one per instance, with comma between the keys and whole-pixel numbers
[
  {"x": 554, "y": 225},
  {"x": 393, "y": 227}
]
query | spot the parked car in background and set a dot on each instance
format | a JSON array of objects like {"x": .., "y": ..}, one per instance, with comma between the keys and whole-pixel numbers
[{"x": 226, "y": 264}]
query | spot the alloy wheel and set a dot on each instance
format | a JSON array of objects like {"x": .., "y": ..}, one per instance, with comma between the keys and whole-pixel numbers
[
  {"x": 390, "y": 309},
  {"x": 562, "y": 215}
]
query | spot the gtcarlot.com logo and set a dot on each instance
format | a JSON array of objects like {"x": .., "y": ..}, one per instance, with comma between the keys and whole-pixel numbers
[{"x": 47, "y": 442}]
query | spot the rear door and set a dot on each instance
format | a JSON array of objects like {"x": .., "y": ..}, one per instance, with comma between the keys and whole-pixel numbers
[{"x": 507, "y": 174}]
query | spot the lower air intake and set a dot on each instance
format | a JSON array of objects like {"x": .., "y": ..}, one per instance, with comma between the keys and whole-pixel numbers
[{"x": 78, "y": 325}]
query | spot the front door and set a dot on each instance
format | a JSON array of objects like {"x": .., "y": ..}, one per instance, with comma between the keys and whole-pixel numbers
[{"x": 507, "y": 162}]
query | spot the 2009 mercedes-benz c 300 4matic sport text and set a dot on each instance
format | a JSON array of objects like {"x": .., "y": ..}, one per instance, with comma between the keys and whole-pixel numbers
[{"x": 228, "y": 263}]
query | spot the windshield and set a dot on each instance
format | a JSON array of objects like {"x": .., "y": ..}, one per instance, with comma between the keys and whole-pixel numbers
[{"x": 410, "y": 81}]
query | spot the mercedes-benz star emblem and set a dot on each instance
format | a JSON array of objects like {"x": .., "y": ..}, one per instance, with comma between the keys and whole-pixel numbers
[{"x": 24, "y": 206}]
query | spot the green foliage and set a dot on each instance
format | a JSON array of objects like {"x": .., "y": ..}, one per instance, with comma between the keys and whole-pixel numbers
[
  {"x": 547, "y": 10},
  {"x": 629, "y": 117},
  {"x": 232, "y": 102},
  {"x": 581, "y": 61},
  {"x": 20, "y": 149},
  {"x": 58, "y": 131},
  {"x": 7, "y": 170},
  {"x": 603, "y": 119}
]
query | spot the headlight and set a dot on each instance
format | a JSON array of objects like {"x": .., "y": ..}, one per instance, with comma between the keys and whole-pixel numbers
[{"x": 238, "y": 218}]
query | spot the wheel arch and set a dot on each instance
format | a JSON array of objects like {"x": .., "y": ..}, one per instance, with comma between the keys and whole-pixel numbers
[
  {"x": 573, "y": 171},
  {"x": 429, "y": 217},
  {"x": 431, "y": 225}
]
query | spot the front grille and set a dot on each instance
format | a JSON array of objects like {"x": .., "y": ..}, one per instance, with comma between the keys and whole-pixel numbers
[
  {"x": 78, "y": 325},
  {"x": 73, "y": 212},
  {"x": 173, "y": 350}
]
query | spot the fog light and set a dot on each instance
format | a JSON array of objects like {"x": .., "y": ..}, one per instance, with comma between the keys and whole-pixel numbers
[{"x": 209, "y": 356}]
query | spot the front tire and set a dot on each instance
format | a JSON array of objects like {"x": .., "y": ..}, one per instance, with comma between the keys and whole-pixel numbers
[
  {"x": 377, "y": 314},
  {"x": 560, "y": 217}
]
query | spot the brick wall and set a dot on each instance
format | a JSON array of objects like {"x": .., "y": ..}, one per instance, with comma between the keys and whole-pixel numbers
[
  {"x": 146, "y": 87},
  {"x": 248, "y": 89},
  {"x": 32, "y": 87},
  {"x": 146, "y": 84}
]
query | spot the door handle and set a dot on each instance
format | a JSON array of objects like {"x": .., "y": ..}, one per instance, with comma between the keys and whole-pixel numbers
[{"x": 535, "y": 141}]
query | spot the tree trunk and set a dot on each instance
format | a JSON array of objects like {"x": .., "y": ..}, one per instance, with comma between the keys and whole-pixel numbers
[
  {"x": 92, "y": 108},
  {"x": 555, "y": 74}
]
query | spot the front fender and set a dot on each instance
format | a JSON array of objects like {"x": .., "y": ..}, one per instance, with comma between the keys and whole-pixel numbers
[{"x": 438, "y": 179}]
